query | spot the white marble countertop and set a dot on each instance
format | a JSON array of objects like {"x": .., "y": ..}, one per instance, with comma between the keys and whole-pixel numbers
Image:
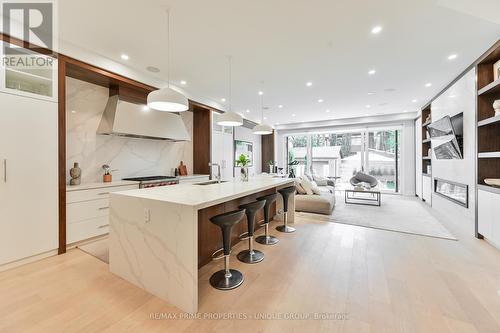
[
  {"x": 193, "y": 176},
  {"x": 202, "y": 196},
  {"x": 87, "y": 186}
]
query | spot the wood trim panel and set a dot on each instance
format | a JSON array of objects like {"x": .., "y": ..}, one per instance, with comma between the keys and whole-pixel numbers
[
  {"x": 202, "y": 138},
  {"x": 62, "y": 153},
  {"x": 267, "y": 148}
]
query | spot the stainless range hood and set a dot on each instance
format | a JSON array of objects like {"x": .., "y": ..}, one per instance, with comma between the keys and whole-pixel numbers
[{"x": 132, "y": 120}]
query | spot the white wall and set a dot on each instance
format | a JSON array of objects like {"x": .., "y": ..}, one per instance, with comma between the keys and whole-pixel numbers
[
  {"x": 85, "y": 104},
  {"x": 245, "y": 134},
  {"x": 458, "y": 98},
  {"x": 407, "y": 161}
]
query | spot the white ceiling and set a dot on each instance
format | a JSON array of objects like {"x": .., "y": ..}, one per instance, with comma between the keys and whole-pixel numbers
[{"x": 287, "y": 43}]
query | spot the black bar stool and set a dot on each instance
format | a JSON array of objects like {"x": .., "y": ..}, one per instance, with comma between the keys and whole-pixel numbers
[
  {"x": 226, "y": 279},
  {"x": 267, "y": 239},
  {"x": 251, "y": 256},
  {"x": 285, "y": 193}
]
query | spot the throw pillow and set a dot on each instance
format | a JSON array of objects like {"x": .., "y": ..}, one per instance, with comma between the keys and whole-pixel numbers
[
  {"x": 307, "y": 186},
  {"x": 321, "y": 181},
  {"x": 298, "y": 186},
  {"x": 315, "y": 189}
]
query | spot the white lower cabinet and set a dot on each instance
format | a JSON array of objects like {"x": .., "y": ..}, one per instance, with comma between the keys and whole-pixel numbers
[
  {"x": 193, "y": 179},
  {"x": 28, "y": 177},
  {"x": 427, "y": 189},
  {"x": 87, "y": 212},
  {"x": 488, "y": 222}
]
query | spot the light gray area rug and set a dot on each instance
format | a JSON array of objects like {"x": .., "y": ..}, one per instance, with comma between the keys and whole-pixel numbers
[
  {"x": 98, "y": 249},
  {"x": 397, "y": 213}
]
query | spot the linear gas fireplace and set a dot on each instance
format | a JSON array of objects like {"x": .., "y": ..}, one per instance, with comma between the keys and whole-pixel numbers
[{"x": 453, "y": 191}]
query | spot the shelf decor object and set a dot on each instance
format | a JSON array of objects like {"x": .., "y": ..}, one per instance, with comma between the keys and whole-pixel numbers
[
  {"x": 168, "y": 99},
  {"x": 492, "y": 182},
  {"x": 496, "y": 107}
]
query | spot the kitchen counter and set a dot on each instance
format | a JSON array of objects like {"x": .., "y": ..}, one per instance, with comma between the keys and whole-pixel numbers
[
  {"x": 193, "y": 176},
  {"x": 88, "y": 186},
  {"x": 157, "y": 235}
]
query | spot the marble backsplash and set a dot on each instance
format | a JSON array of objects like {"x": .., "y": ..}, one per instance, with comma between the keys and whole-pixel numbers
[{"x": 130, "y": 157}]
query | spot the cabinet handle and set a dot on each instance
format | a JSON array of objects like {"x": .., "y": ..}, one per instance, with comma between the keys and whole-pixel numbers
[
  {"x": 103, "y": 226},
  {"x": 103, "y": 193},
  {"x": 5, "y": 170},
  {"x": 103, "y": 208}
]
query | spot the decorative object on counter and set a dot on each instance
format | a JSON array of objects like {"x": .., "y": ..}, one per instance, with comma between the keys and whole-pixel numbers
[
  {"x": 182, "y": 169},
  {"x": 496, "y": 107},
  {"x": 292, "y": 168},
  {"x": 496, "y": 70},
  {"x": 243, "y": 161},
  {"x": 245, "y": 148},
  {"x": 76, "y": 174},
  {"x": 168, "y": 99},
  {"x": 492, "y": 182},
  {"x": 107, "y": 177},
  {"x": 271, "y": 164}
]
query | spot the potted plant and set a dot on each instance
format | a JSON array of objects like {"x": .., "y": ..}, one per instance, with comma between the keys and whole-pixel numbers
[
  {"x": 243, "y": 162},
  {"x": 271, "y": 164}
]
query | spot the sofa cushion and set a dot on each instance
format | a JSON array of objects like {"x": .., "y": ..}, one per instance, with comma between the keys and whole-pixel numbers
[
  {"x": 319, "y": 204},
  {"x": 307, "y": 186},
  {"x": 321, "y": 181},
  {"x": 298, "y": 186}
]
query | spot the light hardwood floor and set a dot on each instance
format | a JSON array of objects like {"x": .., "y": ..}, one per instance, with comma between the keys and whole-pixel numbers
[{"x": 383, "y": 281}]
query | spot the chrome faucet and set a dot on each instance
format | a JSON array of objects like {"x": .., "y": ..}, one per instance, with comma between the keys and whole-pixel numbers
[{"x": 218, "y": 177}]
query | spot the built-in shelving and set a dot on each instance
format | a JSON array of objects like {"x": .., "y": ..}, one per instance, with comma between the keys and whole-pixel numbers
[
  {"x": 488, "y": 125},
  {"x": 426, "y": 157},
  {"x": 488, "y": 121},
  {"x": 492, "y": 88},
  {"x": 426, "y": 123},
  {"x": 426, "y": 141}
]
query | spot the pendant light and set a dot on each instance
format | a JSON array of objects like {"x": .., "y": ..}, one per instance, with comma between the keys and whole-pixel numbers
[
  {"x": 230, "y": 118},
  {"x": 262, "y": 129},
  {"x": 167, "y": 99}
]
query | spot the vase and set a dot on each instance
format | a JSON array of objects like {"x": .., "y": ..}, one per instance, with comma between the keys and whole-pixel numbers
[
  {"x": 76, "y": 174},
  {"x": 271, "y": 169},
  {"x": 244, "y": 174},
  {"x": 496, "y": 107}
]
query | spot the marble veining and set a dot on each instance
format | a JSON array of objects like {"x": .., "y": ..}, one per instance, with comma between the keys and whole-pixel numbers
[{"x": 131, "y": 157}]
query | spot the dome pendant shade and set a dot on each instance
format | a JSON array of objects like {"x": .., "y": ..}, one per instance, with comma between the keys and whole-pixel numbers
[
  {"x": 167, "y": 99},
  {"x": 262, "y": 129},
  {"x": 230, "y": 119}
]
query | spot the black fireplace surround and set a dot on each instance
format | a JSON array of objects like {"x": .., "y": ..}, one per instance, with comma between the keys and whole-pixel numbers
[{"x": 453, "y": 191}]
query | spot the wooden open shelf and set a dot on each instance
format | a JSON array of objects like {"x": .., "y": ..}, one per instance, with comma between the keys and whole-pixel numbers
[
  {"x": 492, "y": 88},
  {"x": 426, "y": 142},
  {"x": 488, "y": 121}
]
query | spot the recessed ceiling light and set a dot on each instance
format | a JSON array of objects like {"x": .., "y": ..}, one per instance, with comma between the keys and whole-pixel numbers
[
  {"x": 222, "y": 100},
  {"x": 248, "y": 111},
  {"x": 371, "y": 93},
  {"x": 368, "y": 106},
  {"x": 414, "y": 101},
  {"x": 261, "y": 93},
  {"x": 366, "y": 115},
  {"x": 427, "y": 85},
  {"x": 293, "y": 114},
  {"x": 320, "y": 100},
  {"x": 309, "y": 83},
  {"x": 389, "y": 89},
  {"x": 152, "y": 69},
  {"x": 452, "y": 56},
  {"x": 183, "y": 82},
  {"x": 376, "y": 30},
  {"x": 372, "y": 71},
  {"x": 405, "y": 110},
  {"x": 124, "y": 56},
  {"x": 327, "y": 111},
  {"x": 265, "y": 118},
  {"x": 453, "y": 96},
  {"x": 280, "y": 106},
  {"x": 73, "y": 111}
]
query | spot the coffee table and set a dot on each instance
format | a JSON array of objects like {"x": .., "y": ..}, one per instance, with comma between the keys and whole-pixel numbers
[{"x": 374, "y": 198}]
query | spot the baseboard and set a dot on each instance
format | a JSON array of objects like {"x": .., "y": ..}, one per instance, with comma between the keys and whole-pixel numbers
[{"x": 27, "y": 260}]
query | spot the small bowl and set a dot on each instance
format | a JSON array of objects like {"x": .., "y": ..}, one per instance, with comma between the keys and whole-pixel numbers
[{"x": 492, "y": 182}]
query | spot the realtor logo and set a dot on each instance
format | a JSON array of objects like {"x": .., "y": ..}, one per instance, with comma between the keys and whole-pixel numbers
[{"x": 32, "y": 23}]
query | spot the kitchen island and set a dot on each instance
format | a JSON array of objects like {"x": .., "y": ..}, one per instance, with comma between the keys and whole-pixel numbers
[{"x": 159, "y": 237}]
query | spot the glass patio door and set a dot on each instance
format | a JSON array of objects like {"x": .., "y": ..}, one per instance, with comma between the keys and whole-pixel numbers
[{"x": 382, "y": 157}]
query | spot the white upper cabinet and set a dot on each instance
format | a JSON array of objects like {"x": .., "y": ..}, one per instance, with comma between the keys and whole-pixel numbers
[{"x": 24, "y": 72}]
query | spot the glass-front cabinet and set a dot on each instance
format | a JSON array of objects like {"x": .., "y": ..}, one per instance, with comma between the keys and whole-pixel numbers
[{"x": 26, "y": 72}]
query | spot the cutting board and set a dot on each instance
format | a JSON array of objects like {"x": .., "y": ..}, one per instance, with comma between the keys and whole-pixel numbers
[{"x": 183, "y": 169}]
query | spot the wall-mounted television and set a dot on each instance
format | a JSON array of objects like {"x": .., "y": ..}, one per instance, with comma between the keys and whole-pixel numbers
[{"x": 447, "y": 137}]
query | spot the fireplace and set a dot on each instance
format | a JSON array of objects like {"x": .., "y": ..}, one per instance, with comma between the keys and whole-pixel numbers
[{"x": 453, "y": 191}]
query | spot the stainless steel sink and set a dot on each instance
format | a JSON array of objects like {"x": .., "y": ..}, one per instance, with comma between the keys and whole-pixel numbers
[{"x": 211, "y": 182}]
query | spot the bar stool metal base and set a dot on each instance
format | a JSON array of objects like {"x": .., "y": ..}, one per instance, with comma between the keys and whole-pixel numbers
[
  {"x": 218, "y": 280},
  {"x": 250, "y": 257},
  {"x": 285, "y": 228},
  {"x": 267, "y": 240}
]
